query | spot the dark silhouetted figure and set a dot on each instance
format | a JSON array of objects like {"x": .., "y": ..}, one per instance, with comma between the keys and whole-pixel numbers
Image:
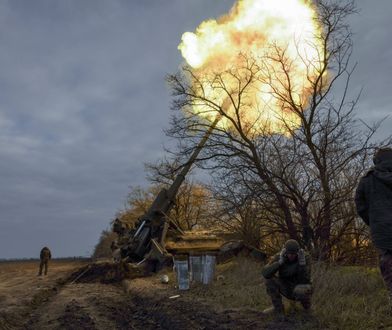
[
  {"x": 373, "y": 199},
  {"x": 45, "y": 256}
]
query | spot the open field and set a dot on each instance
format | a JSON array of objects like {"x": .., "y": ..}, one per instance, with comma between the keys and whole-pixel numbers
[{"x": 345, "y": 298}]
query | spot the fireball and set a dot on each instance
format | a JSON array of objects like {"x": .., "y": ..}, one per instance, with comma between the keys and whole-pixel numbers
[{"x": 257, "y": 64}]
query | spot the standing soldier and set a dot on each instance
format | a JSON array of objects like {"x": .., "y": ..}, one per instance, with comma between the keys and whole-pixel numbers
[
  {"x": 292, "y": 267},
  {"x": 45, "y": 256},
  {"x": 373, "y": 200}
]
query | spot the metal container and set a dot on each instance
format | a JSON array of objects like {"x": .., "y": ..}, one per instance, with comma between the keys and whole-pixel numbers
[
  {"x": 208, "y": 264},
  {"x": 182, "y": 272},
  {"x": 196, "y": 268}
]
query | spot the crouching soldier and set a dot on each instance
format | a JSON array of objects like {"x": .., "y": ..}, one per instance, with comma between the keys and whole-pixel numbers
[
  {"x": 288, "y": 275},
  {"x": 44, "y": 256}
]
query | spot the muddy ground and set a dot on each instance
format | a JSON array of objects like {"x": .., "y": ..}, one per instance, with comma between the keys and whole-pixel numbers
[{"x": 57, "y": 301}]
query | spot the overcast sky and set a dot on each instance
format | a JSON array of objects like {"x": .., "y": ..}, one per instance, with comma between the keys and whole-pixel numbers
[{"x": 83, "y": 105}]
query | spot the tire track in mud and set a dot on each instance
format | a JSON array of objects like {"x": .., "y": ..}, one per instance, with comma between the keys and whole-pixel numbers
[
  {"x": 147, "y": 311},
  {"x": 79, "y": 307},
  {"x": 74, "y": 307},
  {"x": 157, "y": 311},
  {"x": 19, "y": 318},
  {"x": 30, "y": 314},
  {"x": 139, "y": 304}
]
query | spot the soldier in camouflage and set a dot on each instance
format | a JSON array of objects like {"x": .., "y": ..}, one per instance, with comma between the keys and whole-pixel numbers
[
  {"x": 373, "y": 200},
  {"x": 288, "y": 275},
  {"x": 44, "y": 256}
]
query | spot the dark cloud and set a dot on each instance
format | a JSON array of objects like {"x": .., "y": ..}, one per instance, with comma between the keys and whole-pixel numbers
[
  {"x": 372, "y": 52},
  {"x": 83, "y": 104}
]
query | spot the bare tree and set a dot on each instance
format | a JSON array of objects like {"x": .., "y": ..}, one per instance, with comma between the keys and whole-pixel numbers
[
  {"x": 239, "y": 146},
  {"x": 337, "y": 147},
  {"x": 237, "y": 210},
  {"x": 303, "y": 179}
]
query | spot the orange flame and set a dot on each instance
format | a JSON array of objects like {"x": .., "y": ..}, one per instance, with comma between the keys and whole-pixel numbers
[{"x": 257, "y": 28}]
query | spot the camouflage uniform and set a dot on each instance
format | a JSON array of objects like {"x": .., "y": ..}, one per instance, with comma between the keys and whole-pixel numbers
[
  {"x": 373, "y": 200},
  {"x": 45, "y": 256},
  {"x": 290, "y": 275}
]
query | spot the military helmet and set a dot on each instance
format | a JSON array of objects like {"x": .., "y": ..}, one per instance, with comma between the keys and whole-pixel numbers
[{"x": 291, "y": 246}]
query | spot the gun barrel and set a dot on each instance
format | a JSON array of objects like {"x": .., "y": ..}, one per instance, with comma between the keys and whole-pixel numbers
[
  {"x": 152, "y": 224},
  {"x": 172, "y": 191}
]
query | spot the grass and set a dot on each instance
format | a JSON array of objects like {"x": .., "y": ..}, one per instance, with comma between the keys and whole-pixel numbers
[
  {"x": 238, "y": 284},
  {"x": 344, "y": 297},
  {"x": 351, "y": 298}
]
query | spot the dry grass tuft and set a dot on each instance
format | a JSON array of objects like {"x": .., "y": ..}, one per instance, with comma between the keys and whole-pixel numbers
[
  {"x": 240, "y": 286},
  {"x": 351, "y": 298},
  {"x": 344, "y": 297}
]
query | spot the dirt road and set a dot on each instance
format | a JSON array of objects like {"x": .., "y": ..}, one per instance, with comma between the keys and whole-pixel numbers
[{"x": 54, "y": 302}]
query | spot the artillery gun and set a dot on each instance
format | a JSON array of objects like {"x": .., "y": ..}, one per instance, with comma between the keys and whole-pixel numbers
[
  {"x": 146, "y": 242},
  {"x": 149, "y": 242}
]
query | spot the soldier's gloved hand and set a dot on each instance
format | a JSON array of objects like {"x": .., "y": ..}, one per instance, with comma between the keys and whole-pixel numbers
[
  {"x": 301, "y": 257},
  {"x": 282, "y": 257},
  {"x": 301, "y": 291}
]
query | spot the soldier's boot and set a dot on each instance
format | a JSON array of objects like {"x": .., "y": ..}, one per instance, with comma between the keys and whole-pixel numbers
[
  {"x": 272, "y": 288},
  {"x": 275, "y": 312},
  {"x": 276, "y": 308},
  {"x": 306, "y": 304}
]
